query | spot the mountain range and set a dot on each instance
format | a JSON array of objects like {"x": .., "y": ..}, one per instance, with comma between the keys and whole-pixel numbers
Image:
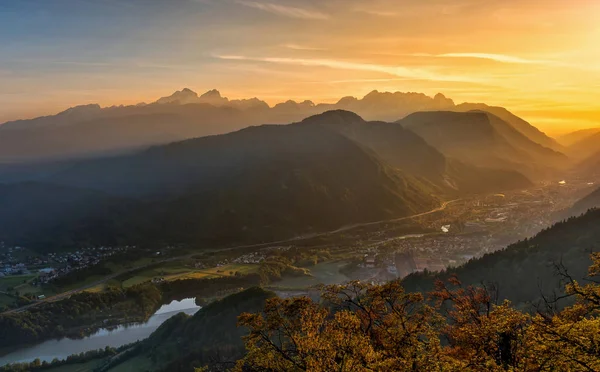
[
  {"x": 405, "y": 150},
  {"x": 181, "y": 171},
  {"x": 485, "y": 140},
  {"x": 260, "y": 183},
  {"x": 90, "y": 130}
]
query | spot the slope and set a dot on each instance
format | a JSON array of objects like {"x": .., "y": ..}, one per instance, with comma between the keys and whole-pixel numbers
[
  {"x": 591, "y": 165},
  {"x": 90, "y": 130},
  {"x": 484, "y": 140},
  {"x": 114, "y": 130},
  {"x": 590, "y": 201},
  {"x": 574, "y": 137},
  {"x": 524, "y": 271},
  {"x": 211, "y": 335},
  {"x": 525, "y": 128},
  {"x": 405, "y": 150},
  {"x": 258, "y": 184},
  {"x": 46, "y": 216},
  {"x": 585, "y": 148}
]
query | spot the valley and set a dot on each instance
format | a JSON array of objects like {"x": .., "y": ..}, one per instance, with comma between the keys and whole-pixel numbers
[
  {"x": 269, "y": 211},
  {"x": 345, "y": 254},
  {"x": 475, "y": 226},
  {"x": 299, "y": 186}
]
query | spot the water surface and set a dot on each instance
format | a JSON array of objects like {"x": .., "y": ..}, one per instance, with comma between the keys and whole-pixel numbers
[{"x": 115, "y": 337}]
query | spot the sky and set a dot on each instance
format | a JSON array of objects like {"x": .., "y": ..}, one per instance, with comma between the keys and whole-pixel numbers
[{"x": 539, "y": 59}]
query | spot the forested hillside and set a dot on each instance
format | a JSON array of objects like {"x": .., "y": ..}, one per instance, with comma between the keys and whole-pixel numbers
[
  {"x": 589, "y": 202},
  {"x": 403, "y": 149},
  {"x": 210, "y": 337},
  {"x": 526, "y": 271},
  {"x": 259, "y": 184},
  {"x": 485, "y": 140}
]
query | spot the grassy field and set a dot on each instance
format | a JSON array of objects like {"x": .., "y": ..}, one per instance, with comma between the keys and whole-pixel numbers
[
  {"x": 322, "y": 273},
  {"x": 113, "y": 268},
  {"x": 89, "y": 280},
  {"x": 6, "y": 300},
  {"x": 102, "y": 286},
  {"x": 232, "y": 268},
  {"x": 21, "y": 284},
  {"x": 14, "y": 281},
  {"x": 179, "y": 271},
  {"x": 175, "y": 270},
  {"x": 80, "y": 367},
  {"x": 97, "y": 288},
  {"x": 29, "y": 289},
  {"x": 138, "y": 363}
]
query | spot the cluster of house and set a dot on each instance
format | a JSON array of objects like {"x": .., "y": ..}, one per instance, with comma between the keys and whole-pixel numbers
[
  {"x": 47, "y": 274},
  {"x": 250, "y": 258},
  {"x": 13, "y": 269},
  {"x": 63, "y": 263},
  {"x": 158, "y": 280},
  {"x": 9, "y": 265},
  {"x": 404, "y": 263}
]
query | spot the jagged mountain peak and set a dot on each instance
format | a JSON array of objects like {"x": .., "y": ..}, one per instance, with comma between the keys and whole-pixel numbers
[
  {"x": 181, "y": 97},
  {"x": 213, "y": 93},
  {"x": 348, "y": 100},
  {"x": 442, "y": 100}
]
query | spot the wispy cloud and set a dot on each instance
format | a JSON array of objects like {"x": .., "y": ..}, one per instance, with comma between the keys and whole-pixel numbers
[
  {"x": 348, "y": 81},
  {"x": 284, "y": 10},
  {"x": 301, "y": 47},
  {"x": 400, "y": 71},
  {"x": 493, "y": 57},
  {"x": 502, "y": 58},
  {"x": 375, "y": 12}
]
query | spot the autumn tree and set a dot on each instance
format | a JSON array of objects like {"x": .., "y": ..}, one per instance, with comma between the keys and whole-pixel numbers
[
  {"x": 481, "y": 334},
  {"x": 361, "y": 327},
  {"x": 569, "y": 340}
]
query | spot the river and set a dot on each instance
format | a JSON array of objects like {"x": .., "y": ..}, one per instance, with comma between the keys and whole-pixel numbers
[{"x": 115, "y": 337}]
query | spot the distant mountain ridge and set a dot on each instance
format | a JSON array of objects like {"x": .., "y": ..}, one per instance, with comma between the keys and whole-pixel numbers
[
  {"x": 591, "y": 164},
  {"x": 258, "y": 184},
  {"x": 591, "y": 201},
  {"x": 90, "y": 130},
  {"x": 405, "y": 150},
  {"x": 574, "y": 137},
  {"x": 485, "y": 140},
  {"x": 525, "y": 271},
  {"x": 261, "y": 183},
  {"x": 586, "y": 148},
  {"x": 212, "y": 97},
  {"x": 70, "y": 116},
  {"x": 516, "y": 122}
]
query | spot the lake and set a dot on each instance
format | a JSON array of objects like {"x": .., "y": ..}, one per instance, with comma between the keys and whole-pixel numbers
[{"x": 116, "y": 337}]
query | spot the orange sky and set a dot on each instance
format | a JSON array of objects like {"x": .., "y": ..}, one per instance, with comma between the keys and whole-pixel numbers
[{"x": 540, "y": 59}]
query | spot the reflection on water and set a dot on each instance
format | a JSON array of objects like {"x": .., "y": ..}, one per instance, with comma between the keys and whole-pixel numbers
[{"x": 115, "y": 337}]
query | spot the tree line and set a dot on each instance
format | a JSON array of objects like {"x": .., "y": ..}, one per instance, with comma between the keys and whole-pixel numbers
[{"x": 455, "y": 327}]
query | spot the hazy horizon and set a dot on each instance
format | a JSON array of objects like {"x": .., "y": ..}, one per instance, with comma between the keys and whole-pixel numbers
[
  {"x": 299, "y": 185},
  {"x": 539, "y": 63}
]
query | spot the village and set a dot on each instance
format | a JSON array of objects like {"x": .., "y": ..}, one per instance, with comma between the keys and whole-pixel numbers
[{"x": 20, "y": 261}]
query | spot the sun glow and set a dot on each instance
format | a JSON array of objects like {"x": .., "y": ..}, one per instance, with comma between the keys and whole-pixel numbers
[{"x": 541, "y": 62}]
